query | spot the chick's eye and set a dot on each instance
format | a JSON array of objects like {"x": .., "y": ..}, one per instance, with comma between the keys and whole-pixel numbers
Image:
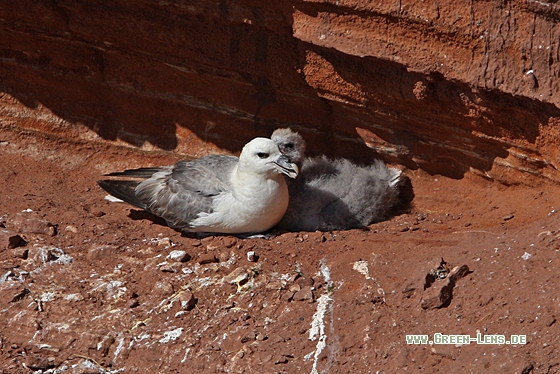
[
  {"x": 289, "y": 145},
  {"x": 262, "y": 155}
]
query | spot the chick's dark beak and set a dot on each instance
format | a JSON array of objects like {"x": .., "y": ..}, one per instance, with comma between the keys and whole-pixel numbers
[{"x": 286, "y": 167}]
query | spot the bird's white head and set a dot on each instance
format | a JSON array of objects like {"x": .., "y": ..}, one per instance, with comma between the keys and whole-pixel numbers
[{"x": 262, "y": 156}]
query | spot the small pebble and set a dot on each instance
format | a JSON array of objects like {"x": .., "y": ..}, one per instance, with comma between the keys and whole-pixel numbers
[
  {"x": 168, "y": 268},
  {"x": 238, "y": 276},
  {"x": 98, "y": 252},
  {"x": 163, "y": 289},
  {"x": 73, "y": 229},
  {"x": 282, "y": 360},
  {"x": 188, "y": 301},
  {"x": 274, "y": 284},
  {"x": 305, "y": 294},
  {"x": 31, "y": 223},
  {"x": 98, "y": 213},
  {"x": 10, "y": 239},
  {"x": 212, "y": 246},
  {"x": 224, "y": 256},
  {"x": 294, "y": 287},
  {"x": 207, "y": 258},
  {"x": 20, "y": 253},
  {"x": 305, "y": 281},
  {"x": 164, "y": 242},
  {"x": 287, "y": 296},
  {"x": 250, "y": 337},
  {"x": 437, "y": 295},
  {"x": 179, "y": 256},
  {"x": 252, "y": 257},
  {"x": 458, "y": 272},
  {"x": 38, "y": 363}
]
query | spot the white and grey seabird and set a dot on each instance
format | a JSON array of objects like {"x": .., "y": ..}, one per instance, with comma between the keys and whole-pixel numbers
[
  {"x": 215, "y": 193},
  {"x": 335, "y": 194}
]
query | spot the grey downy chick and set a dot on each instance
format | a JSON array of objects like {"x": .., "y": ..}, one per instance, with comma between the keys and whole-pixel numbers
[
  {"x": 215, "y": 193},
  {"x": 335, "y": 194}
]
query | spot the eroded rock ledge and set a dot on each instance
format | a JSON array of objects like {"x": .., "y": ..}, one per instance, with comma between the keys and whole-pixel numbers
[{"x": 432, "y": 85}]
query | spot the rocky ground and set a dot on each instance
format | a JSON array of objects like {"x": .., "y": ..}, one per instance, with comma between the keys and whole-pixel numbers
[{"x": 98, "y": 287}]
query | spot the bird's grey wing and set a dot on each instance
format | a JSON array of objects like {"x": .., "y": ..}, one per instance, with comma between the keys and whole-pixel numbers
[
  {"x": 208, "y": 175},
  {"x": 181, "y": 192}
]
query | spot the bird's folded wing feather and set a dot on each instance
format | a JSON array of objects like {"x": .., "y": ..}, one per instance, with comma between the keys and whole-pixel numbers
[{"x": 181, "y": 192}]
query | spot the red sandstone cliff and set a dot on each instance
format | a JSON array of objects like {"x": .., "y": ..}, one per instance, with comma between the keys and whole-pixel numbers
[{"x": 444, "y": 86}]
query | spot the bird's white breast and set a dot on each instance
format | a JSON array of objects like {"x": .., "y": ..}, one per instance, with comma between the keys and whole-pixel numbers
[{"x": 253, "y": 205}]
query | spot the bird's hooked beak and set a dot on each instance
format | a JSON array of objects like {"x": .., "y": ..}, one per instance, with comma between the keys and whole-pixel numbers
[{"x": 286, "y": 167}]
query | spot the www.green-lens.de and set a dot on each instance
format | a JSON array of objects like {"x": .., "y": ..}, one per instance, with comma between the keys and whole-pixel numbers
[{"x": 439, "y": 338}]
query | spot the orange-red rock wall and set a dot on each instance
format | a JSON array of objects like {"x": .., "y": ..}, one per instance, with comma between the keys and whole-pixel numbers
[{"x": 443, "y": 86}]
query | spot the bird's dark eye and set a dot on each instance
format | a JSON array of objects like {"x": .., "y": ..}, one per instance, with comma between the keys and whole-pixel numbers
[
  {"x": 262, "y": 155},
  {"x": 289, "y": 145}
]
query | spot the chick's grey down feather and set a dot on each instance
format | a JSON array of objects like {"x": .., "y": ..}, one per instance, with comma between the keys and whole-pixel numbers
[
  {"x": 335, "y": 194},
  {"x": 212, "y": 194}
]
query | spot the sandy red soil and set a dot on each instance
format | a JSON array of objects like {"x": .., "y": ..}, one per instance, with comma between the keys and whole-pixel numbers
[{"x": 101, "y": 295}]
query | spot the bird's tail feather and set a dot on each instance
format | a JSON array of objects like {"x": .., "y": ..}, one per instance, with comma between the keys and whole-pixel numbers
[
  {"x": 135, "y": 173},
  {"x": 124, "y": 190},
  {"x": 395, "y": 177}
]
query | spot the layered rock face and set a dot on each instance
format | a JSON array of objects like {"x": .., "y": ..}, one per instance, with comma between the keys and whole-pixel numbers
[{"x": 443, "y": 86}]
